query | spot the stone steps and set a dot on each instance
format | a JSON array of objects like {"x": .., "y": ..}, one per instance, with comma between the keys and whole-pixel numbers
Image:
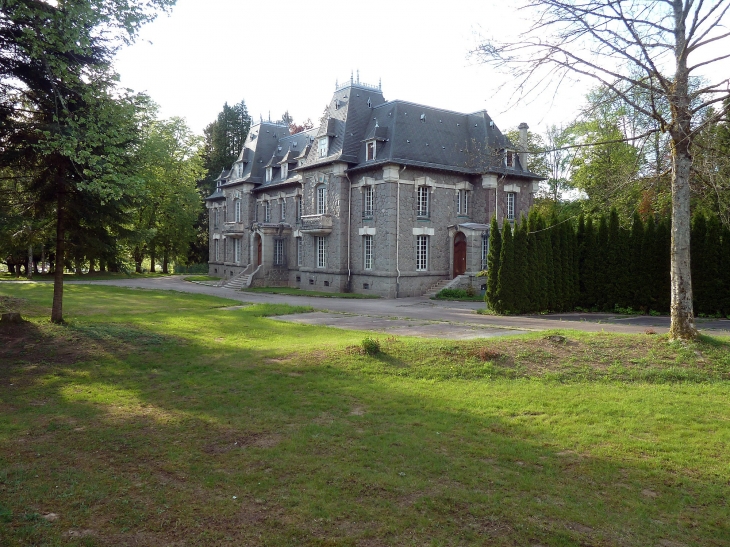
[{"x": 433, "y": 291}]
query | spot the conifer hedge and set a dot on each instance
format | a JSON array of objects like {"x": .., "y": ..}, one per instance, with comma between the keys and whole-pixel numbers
[{"x": 560, "y": 265}]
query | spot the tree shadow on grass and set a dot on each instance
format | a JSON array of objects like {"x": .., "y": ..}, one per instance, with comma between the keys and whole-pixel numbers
[{"x": 211, "y": 442}]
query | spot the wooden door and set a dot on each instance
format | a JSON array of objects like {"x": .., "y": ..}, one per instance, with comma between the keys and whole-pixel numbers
[
  {"x": 459, "y": 254},
  {"x": 258, "y": 250}
]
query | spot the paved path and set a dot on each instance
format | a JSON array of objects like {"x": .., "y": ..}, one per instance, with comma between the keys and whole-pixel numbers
[{"x": 420, "y": 316}]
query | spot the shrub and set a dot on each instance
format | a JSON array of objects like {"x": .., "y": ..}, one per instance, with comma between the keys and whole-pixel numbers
[
  {"x": 370, "y": 346},
  {"x": 452, "y": 293},
  {"x": 470, "y": 291}
]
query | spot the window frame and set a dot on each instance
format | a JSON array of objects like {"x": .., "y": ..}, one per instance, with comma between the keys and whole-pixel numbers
[
  {"x": 510, "y": 205},
  {"x": 321, "y": 199},
  {"x": 299, "y": 208},
  {"x": 368, "y": 255},
  {"x": 485, "y": 250},
  {"x": 267, "y": 211},
  {"x": 462, "y": 202},
  {"x": 321, "y": 252},
  {"x": 510, "y": 158},
  {"x": 237, "y": 211},
  {"x": 300, "y": 251},
  {"x": 283, "y": 209},
  {"x": 323, "y": 144},
  {"x": 279, "y": 255},
  {"x": 423, "y": 202},
  {"x": 237, "y": 250},
  {"x": 284, "y": 171},
  {"x": 368, "y": 200},
  {"x": 269, "y": 174},
  {"x": 216, "y": 247},
  {"x": 422, "y": 252},
  {"x": 371, "y": 146}
]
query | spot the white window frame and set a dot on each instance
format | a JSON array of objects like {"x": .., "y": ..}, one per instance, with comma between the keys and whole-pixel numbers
[
  {"x": 321, "y": 199},
  {"x": 267, "y": 211},
  {"x": 423, "y": 201},
  {"x": 510, "y": 158},
  {"x": 485, "y": 250},
  {"x": 216, "y": 218},
  {"x": 462, "y": 203},
  {"x": 368, "y": 200},
  {"x": 237, "y": 250},
  {"x": 217, "y": 250},
  {"x": 238, "y": 210},
  {"x": 299, "y": 207},
  {"x": 323, "y": 146},
  {"x": 371, "y": 150},
  {"x": 367, "y": 247},
  {"x": 422, "y": 245},
  {"x": 279, "y": 252},
  {"x": 284, "y": 171},
  {"x": 510, "y": 205},
  {"x": 321, "y": 251},
  {"x": 300, "y": 251},
  {"x": 269, "y": 173},
  {"x": 283, "y": 209}
]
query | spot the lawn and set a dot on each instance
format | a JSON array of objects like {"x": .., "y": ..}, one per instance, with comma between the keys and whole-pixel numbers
[
  {"x": 302, "y": 292},
  {"x": 159, "y": 418}
]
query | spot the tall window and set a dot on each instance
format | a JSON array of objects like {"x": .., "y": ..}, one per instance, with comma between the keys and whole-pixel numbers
[
  {"x": 423, "y": 201},
  {"x": 217, "y": 251},
  {"x": 421, "y": 253},
  {"x": 300, "y": 251},
  {"x": 279, "y": 252},
  {"x": 510, "y": 206},
  {"x": 462, "y": 203},
  {"x": 238, "y": 210},
  {"x": 321, "y": 199},
  {"x": 283, "y": 209},
  {"x": 267, "y": 211},
  {"x": 284, "y": 171},
  {"x": 367, "y": 245},
  {"x": 370, "y": 150},
  {"x": 237, "y": 250},
  {"x": 321, "y": 252},
  {"x": 485, "y": 250},
  {"x": 299, "y": 207},
  {"x": 269, "y": 173},
  {"x": 510, "y": 158},
  {"x": 367, "y": 201},
  {"x": 322, "y": 146},
  {"x": 216, "y": 218}
]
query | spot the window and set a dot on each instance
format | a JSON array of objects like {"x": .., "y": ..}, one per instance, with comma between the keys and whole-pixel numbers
[
  {"x": 238, "y": 210},
  {"x": 284, "y": 171},
  {"x": 279, "y": 252},
  {"x": 269, "y": 173},
  {"x": 322, "y": 146},
  {"x": 367, "y": 244},
  {"x": 283, "y": 209},
  {"x": 321, "y": 252},
  {"x": 217, "y": 251},
  {"x": 267, "y": 211},
  {"x": 370, "y": 150},
  {"x": 421, "y": 253},
  {"x": 485, "y": 250},
  {"x": 510, "y": 158},
  {"x": 216, "y": 218},
  {"x": 367, "y": 201},
  {"x": 423, "y": 201},
  {"x": 462, "y": 203},
  {"x": 510, "y": 205},
  {"x": 321, "y": 199},
  {"x": 299, "y": 207},
  {"x": 237, "y": 251},
  {"x": 300, "y": 251}
]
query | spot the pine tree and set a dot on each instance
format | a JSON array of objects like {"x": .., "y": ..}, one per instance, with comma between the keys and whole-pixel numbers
[
  {"x": 602, "y": 264},
  {"x": 589, "y": 254},
  {"x": 663, "y": 250},
  {"x": 543, "y": 282},
  {"x": 698, "y": 237},
  {"x": 636, "y": 294},
  {"x": 521, "y": 298},
  {"x": 614, "y": 288},
  {"x": 495, "y": 249},
  {"x": 505, "y": 286},
  {"x": 557, "y": 264},
  {"x": 533, "y": 256},
  {"x": 713, "y": 282},
  {"x": 567, "y": 266},
  {"x": 725, "y": 272},
  {"x": 651, "y": 267}
]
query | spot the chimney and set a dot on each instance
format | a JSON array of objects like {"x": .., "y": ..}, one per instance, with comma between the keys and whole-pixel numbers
[{"x": 523, "y": 127}]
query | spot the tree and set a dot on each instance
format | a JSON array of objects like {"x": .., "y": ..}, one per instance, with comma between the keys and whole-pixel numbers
[
  {"x": 645, "y": 45},
  {"x": 506, "y": 278},
  {"x": 495, "y": 250},
  {"x": 63, "y": 123}
]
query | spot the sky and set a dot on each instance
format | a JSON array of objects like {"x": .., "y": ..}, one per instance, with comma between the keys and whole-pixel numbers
[{"x": 287, "y": 55}]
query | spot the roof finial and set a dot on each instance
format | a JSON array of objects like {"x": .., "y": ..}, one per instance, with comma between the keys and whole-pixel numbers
[
  {"x": 380, "y": 81},
  {"x": 358, "y": 75},
  {"x": 351, "y": 78}
]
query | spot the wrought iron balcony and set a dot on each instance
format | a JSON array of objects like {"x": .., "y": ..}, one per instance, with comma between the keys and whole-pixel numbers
[{"x": 318, "y": 225}]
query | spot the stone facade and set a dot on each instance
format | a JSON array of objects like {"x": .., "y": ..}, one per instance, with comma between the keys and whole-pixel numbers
[{"x": 319, "y": 211}]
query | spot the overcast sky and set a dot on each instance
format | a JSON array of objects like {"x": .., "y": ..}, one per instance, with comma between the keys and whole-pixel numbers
[{"x": 287, "y": 55}]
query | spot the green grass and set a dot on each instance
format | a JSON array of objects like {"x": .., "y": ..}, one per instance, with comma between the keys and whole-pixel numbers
[
  {"x": 301, "y": 292},
  {"x": 160, "y": 418},
  {"x": 5, "y": 276},
  {"x": 201, "y": 278}
]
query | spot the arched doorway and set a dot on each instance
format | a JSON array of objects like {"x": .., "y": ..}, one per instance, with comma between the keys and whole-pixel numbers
[
  {"x": 459, "y": 253},
  {"x": 257, "y": 246}
]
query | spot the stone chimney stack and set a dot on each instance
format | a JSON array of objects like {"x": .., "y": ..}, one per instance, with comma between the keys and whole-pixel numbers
[{"x": 523, "y": 127}]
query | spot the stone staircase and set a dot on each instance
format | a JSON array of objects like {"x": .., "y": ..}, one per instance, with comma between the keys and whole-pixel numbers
[
  {"x": 242, "y": 280},
  {"x": 459, "y": 282}
]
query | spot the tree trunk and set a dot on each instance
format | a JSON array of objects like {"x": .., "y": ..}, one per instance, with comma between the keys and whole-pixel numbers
[
  {"x": 153, "y": 257},
  {"x": 165, "y": 261},
  {"x": 91, "y": 266},
  {"x": 57, "y": 309},
  {"x": 683, "y": 323},
  {"x": 11, "y": 268},
  {"x": 102, "y": 266},
  {"x": 43, "y": 259},
  {"x": 29, "y": 268}
]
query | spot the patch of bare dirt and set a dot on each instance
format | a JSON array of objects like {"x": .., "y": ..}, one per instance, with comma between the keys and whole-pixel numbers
[{"x": 10, "y": 304}]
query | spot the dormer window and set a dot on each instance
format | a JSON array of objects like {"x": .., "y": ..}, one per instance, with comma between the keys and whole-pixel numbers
[
  {"x": 284, "y": 171},
  {"x": 269, "y": 173},
  {"x": 322, "y": 146},
  {"x": 510, "y": 158},
  {"x": 370, "y": 150}
]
